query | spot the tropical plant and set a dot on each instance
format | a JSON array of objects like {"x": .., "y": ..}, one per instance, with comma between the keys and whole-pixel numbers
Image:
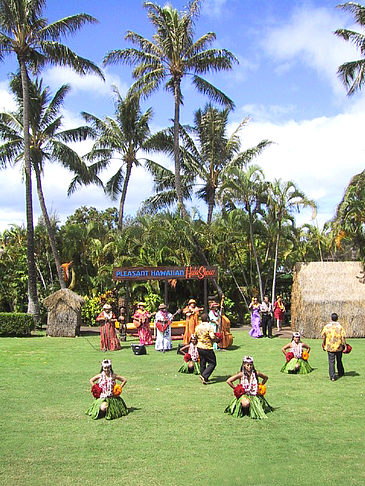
[
  {"x": 352, "y": 73},
  {"x": 47, "y": 142},
  {"x": 121, "y": 137},
  {"x": 245, "y": 187},
  {"x": 283, "y": 199},
  {"x": 25, "y": 33},
  {"x": 170, "y": 56}
]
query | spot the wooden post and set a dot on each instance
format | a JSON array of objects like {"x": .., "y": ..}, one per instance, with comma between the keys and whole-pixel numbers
[
  {"x": 206, "y": 295},
  {"x": 166, "y": 293}
]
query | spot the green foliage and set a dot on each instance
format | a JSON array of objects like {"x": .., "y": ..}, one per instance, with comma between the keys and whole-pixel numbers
[
  {"x": 90, "y": 310},
  {"x": 16, "y": 324}
]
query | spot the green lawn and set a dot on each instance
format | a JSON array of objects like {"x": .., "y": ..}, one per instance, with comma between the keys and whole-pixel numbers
[{"x": 176, "y": 433}]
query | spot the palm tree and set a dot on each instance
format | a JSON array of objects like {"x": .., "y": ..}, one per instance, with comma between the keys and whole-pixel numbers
[
  {"x": 25, "y": 33},
  {"x": 283, "y": 199},
  {"x": 245, "y": 187},
  {"x": 47, "y": 141},
  {"x": 120, "y": 137},
  {"x": 207, "y": 154},
  {"x": 171, "y": 55},
  {"x": 352, "y": 73}
]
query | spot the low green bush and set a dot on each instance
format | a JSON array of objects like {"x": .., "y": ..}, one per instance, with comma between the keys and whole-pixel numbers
[{"x": 16, "y": 324}]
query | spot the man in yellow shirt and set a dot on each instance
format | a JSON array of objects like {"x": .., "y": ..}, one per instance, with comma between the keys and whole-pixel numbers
[
  {"x": 334, "y": 342},
  {"x": 206, "y": 338}
]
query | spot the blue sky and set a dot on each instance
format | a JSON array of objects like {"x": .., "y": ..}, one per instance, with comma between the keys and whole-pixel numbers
[{"x": 286, "y": 83}]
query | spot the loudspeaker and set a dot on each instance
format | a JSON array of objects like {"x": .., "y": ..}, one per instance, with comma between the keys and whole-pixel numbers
[{"x": 138, "y": 349}]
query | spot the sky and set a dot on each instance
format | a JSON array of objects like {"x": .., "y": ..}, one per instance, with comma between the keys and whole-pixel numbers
[{"x": 286, "y": 83}]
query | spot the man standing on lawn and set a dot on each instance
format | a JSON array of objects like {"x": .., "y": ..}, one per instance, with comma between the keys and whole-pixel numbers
[
  {"x": 334, "y": 342},
  {"x": 206, "y": 338}
]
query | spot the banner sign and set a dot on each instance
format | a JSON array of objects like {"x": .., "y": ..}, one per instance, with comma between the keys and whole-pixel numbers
[{"x": 164, "y": 273}]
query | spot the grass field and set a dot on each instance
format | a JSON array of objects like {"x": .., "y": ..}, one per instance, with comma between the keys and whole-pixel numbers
[{"x": 176, "y": 433}]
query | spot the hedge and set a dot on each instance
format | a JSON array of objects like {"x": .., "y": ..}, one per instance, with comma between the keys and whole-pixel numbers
[{"x": 16, "y": 324}]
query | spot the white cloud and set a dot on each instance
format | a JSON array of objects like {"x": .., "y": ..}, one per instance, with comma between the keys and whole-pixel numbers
[
  {"x": 7, "y": 102},
  {"x": 319, "y": 155},
  {"x": 214, "y": 8},
  {"x": 91, "y": 83},
  {"x": 308, "y": 38}
]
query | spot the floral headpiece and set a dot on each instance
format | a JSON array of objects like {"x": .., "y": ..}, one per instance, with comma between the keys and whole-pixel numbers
[
  {"x": 248, "y": 359},
  {"x": 296, "y": 334},
  {"x": 106, "y": 363}
]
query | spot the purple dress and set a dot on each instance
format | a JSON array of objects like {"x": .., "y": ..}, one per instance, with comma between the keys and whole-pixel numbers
[{"x": 255, "y": 322}]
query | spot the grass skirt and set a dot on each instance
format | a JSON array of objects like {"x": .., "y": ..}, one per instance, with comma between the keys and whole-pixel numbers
[
  {"x": 185, "y": 368},
  {"x": 116, "y": 408},
  {"x": 258, "y": 409},
  {"x": 304, "y": 367}
]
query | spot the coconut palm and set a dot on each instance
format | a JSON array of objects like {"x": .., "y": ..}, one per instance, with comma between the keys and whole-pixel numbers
[
  {"x": 171, "y": 55},
  {"x": 47, "y": 141},
  {"x": 121, "y": 137},
  {"x": 352, "y": 73},
  {"x": 283, "y": 199},
  {"x": 25, "y": 33},
  {"x": 207, "y": 153},
  {"x": 245, "y": 187}
]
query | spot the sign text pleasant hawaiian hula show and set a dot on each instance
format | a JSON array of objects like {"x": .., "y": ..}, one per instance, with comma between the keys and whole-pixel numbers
[{"x": 159, "y": 273}]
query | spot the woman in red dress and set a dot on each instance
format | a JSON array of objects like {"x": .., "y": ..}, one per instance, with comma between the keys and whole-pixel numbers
[
  {"x": 141, "y": 319},
  {"x": 279, "y": 311},
  {"x": 108, "y": 335}
]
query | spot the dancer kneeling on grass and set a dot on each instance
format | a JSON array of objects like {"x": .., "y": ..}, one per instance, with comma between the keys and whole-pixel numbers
[
  {"x": 107, "y": 392},
  {"x": 191, "y": 357},
  {"x": 249, "y": 394},
  {"x": 297, "y": 354}
]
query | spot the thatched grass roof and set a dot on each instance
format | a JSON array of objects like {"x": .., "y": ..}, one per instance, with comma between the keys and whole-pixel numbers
[
  {"x": 320, "y": 288},
  {"x": 67, "y": 297}
]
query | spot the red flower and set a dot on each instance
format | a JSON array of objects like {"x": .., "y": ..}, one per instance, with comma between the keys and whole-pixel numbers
[
  {"x": 219, "y": 336},
  {"x": 187, "y": 357},
  {"x": 289, "y": 356},
  {"x": 348, "y": 349},
  {"x": 238, "y": 391},
  {"x": 96, "y": 390}
]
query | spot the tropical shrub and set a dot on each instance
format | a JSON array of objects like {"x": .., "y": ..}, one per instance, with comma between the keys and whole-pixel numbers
[{"x": 16, "y": 324}]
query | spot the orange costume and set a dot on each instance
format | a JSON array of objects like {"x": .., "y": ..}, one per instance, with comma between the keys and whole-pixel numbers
[{"x": 191, "y": 312}]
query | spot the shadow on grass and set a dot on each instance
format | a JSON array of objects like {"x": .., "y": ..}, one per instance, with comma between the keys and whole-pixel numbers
[
  {"x": 233, "y": 347},
  {"x": 218, "y": 379},
  {"x": 133, "y": 409},
  {"x": 351, "y": 373}
]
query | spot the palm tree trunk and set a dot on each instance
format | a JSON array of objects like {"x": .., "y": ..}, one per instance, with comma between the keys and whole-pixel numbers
[
  {"x": 124, "y": 194},
  {"x": 255, "y": 253},
  {"x": 177, "y": 150},
  {"x": 275, "y": 265},
  {"x": 210, "y": 210},
  {"x": 33, "y": 304},
  {"x": 51, "y": 236}
]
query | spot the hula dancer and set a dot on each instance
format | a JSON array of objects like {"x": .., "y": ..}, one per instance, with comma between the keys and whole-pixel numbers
[
  {"x": 191, "y": 312},
  {"x": 279, "y": 311},
  {"x": 107, "y": 392},
  {"x": 191, "y": 357},
  {"x": 141, "y": 319},
  {"x": 255, "y": 318},
  {"x": 249, "y": 394},
  {"x": 296, "y": 354}
]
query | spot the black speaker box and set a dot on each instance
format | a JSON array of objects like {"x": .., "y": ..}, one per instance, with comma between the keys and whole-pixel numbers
[{"x": 138, "y": 349}]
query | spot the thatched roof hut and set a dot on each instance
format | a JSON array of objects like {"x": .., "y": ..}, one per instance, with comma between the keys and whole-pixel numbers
[
  {"x": 320, "y": 288},
  {"x": 64, "y": 313}
]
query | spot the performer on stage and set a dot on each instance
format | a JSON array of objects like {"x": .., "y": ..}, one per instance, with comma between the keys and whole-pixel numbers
[
  {"x": 297, "y": 354},
  {"x": 249, "y": 394},
  {"x": 214, "y": 318},
  {"x": 163, "y": 321},
  {"x": 255, "y": 318},
  {"x": 206, "y": 339},
  {"x": 141, "y": 319},
  {"x": 107, "y": 401},
  {"x": 266, "y": 317},
  {"x": 191, "y": 357},
  {"x": 279, "y": 311},
  {"x": 191, "y": 312},
  {"x": 108, "y": 336}
]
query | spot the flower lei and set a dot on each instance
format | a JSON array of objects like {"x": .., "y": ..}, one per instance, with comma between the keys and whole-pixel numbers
[
  {"x": 187, "y": 357},
  {"x": 96, "y": 390},
  {"x": 305, "y": 355},
  {"x": 250, "y": 385},
  {"x": 261, "y": 389},
  {"x": 289, "y": 356},
  {"x": 281, "y": 305},
  {"x": 297, "y": 350},
  {"x": 238, "y": 391},
  {"x": 106, "y": 384}
]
